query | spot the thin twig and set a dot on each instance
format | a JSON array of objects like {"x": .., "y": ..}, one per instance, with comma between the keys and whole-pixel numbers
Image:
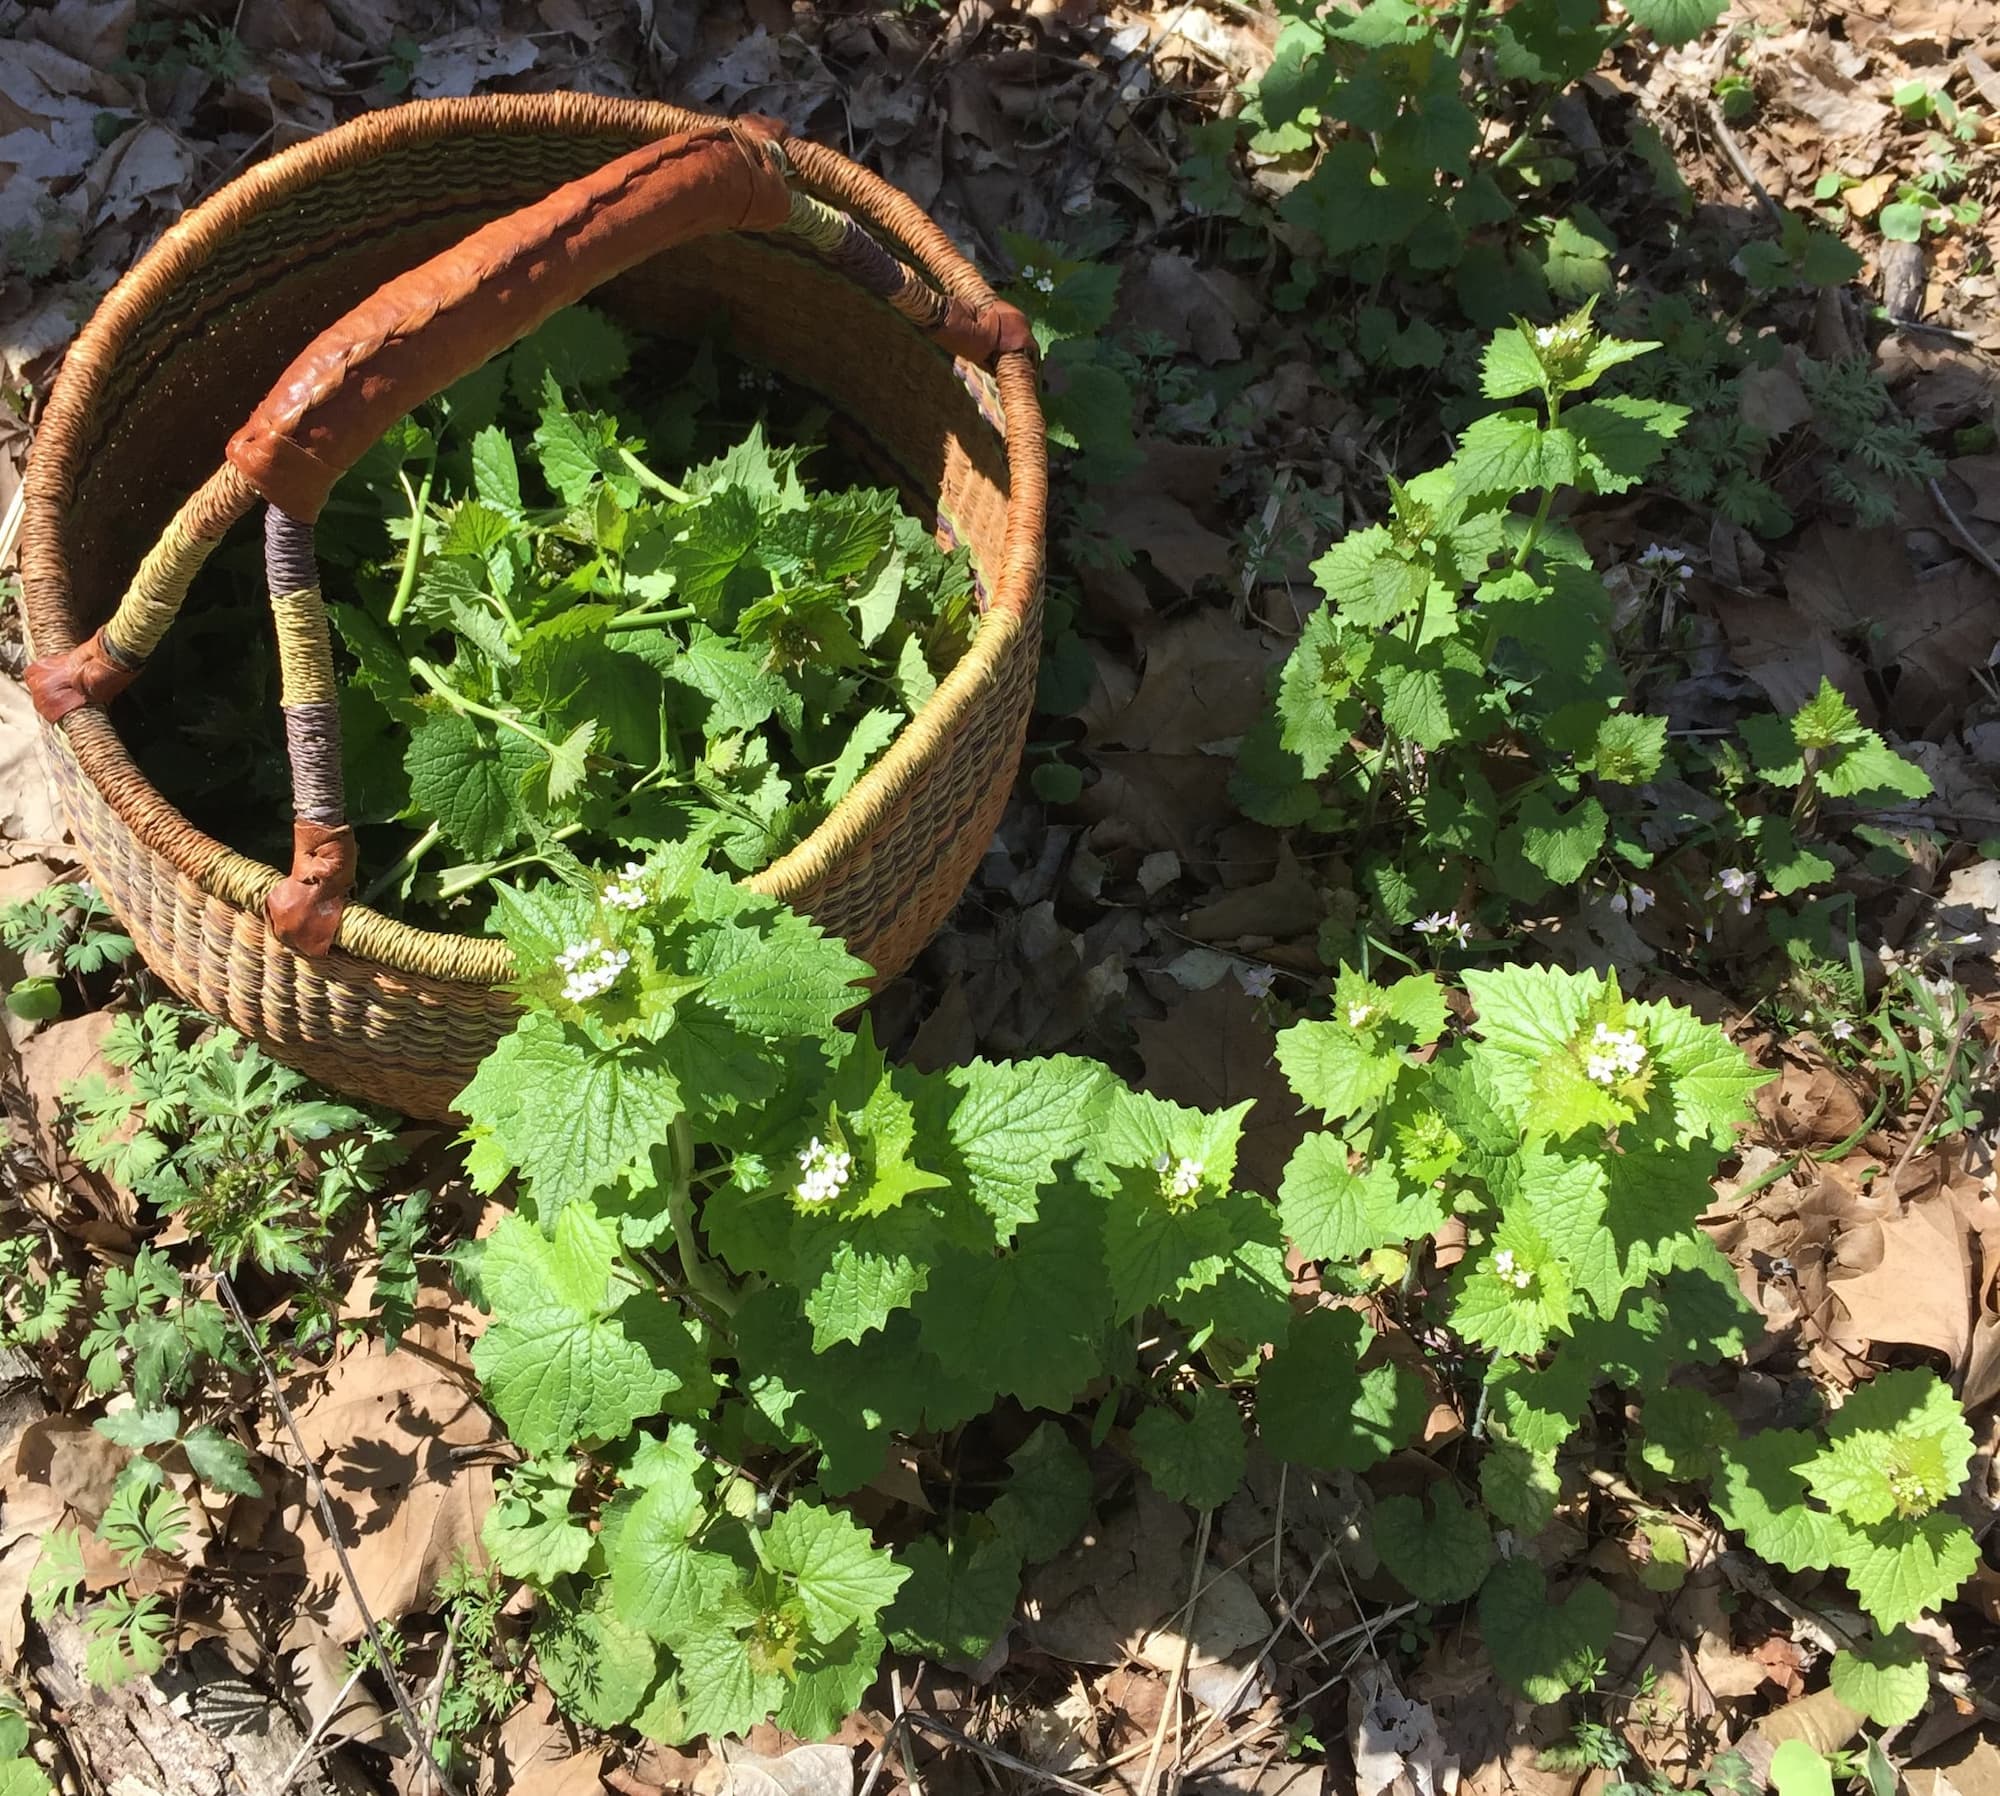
[
  {"x": 1288, "y": 1610},
  {"x": 319, "y": 1727},
  {"x": 324, "y": 1504},
  {"x": 1943, "y": 1079},
  {"x": 1966, "y": 540},
  {"x": 1733, "y": 150},
  {"x": 1170, "y": 1710},
  {"x": 905, "y": 1748},
  {"x": 994, "y": 1755},
  {"x": 443, "y": 1678}
]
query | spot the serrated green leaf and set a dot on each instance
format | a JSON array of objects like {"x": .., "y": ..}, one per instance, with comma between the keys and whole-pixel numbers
[
  {"x": 530, "y": 1532},
  {"x": 470, "y": 782},
  {"x": 1316, "y": 1407},
  {"x": 841, "y": 1576},
  {"x": 598, "y": 1667},
  {"x": 1197, "y": 1458},
  {"x": 1685, "y": 1430},
  {"x": 1013, "y": 1123},
  {"x": 1519, "y": 1484},
  {"x": 1676, "y": 21},
  {"x": 571, "y": 1116},
  {"x": 1331, "y": 1213},
  {"x": 1439, "y": 1554},
  {"x": 1046, "y": 1504},
  {"x": 1542, "y": 1648},
  {"x": 1886, "y": 1679},
  {"x": 220, "y": 1462},
  {"x": 959, "y": 1598},
  {"x": 1901, "y": 1567}
]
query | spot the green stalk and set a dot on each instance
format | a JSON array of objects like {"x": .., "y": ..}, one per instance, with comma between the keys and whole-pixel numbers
[
  {"x": 455, "y": 888},
  {"x": 647, "y": 478},
  {"x": 1540, "y": 110},
  {"x": 1464, "y": 33},
  {"x": 413, "y": 551},
  {"x": 411, "y": 856},
  {"x": 471, "y": 707},
  {"x": 645, "y": 620},
  {"x": 696, "y": 1268}
]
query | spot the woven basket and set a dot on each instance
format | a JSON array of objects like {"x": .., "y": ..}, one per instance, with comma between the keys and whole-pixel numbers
[{"x": 823, "y": 271}]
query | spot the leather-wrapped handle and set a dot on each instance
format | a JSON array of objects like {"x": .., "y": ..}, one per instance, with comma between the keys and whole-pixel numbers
[{"x": 447, "y": 317}]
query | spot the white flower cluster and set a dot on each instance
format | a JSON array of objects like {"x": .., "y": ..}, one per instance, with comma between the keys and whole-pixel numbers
[
  {"x": 625, "y": 892},
  {"x": 1517, "y": 1276},
  {"x": 1665, "y": 563},
  {"x": 1444, "y": 924},
  {"x": 1360, "y": 1015},
  {"x": 1620, "y": 1054},
  {"x": 1545, "y": 336},
  {"x": 592, "y": 967},
  {"x": 1043, "y": 280},
  {"x": 1181, "y": 1178},
  {"x": 1636, "y": 899},
  {"x": 826, "y": 1170}
]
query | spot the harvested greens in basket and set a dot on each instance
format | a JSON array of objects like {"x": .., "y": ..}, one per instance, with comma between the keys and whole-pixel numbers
[{"x": 566, "y": 637}]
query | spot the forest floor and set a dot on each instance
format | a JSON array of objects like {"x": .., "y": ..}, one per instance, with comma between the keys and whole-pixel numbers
[{"x": 1144, "y": 920}]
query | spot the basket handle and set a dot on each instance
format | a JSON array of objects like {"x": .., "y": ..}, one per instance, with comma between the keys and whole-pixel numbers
[
  {"x": 424, "y": 329},
  {"x": 417, "y": 334}
]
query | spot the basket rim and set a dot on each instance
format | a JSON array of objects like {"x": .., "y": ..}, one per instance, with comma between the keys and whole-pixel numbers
[{"x": 369, "y": 935}]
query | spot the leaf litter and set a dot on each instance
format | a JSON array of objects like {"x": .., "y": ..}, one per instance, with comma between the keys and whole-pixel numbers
[{"x": 1147, "y": 933}]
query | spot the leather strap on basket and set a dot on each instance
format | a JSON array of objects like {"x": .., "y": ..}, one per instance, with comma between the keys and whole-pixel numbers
[
  {"x": 407, "y": 342},
  {"x": 429, "y": 327}
]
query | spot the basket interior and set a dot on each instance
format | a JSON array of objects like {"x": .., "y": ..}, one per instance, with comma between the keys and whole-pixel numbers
[{"x": 191, "y": 369}]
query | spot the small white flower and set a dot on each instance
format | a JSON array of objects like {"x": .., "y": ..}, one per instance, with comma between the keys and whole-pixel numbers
[
  {"x": 1642, "y": 900},
  {"x": 1617, "y": 903},
  {"x": 1619, "y": 1054},
  {"x": 1545, "y": 336},
  {"x": 1517, "y": 1276},
  {"x": 1187, "y": 1178},
  {"x": 1842, "y": 1030},
  {"x": 1257, "y": 981},
  {"x": 625, "y": 892},
  {"x": 1737, "y": 883},
  {"x": 592, "y": 969},
  {"x": 825, "y": 1171},
  {"x": 1667, "y": 563},
  {"x": 1045, "y": 283},
  {"x": 1443, "y": 923},
  {"x": 1359, "y": 1015}
]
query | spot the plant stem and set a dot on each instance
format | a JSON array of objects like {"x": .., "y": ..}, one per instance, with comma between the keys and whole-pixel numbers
[
  {"x": 413, "y": 552},
  {"x": 454, "y": 888},
  {"x": 645, "y": 620},
  {"x": 1463, "y": 35},
  {"x": 647, "y": 478},
  {"x": 471, "y": 707},
  {"x": 1540, "y": 110},
  {"x": 413, "y": 854},
  {"x": 696, "y": 1268}
]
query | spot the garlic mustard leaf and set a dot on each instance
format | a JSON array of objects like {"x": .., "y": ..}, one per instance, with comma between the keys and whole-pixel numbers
[
  {"x": 959, "y": 1598},
  {"x": 839, "y": 1574},
  {"x": 1886, "y": 1678},
  {"x": 1316, "y": 1407},
  {"x": 1901, "y": 1567},
  {"x": 1544, "y": 1649},
  {"x": 566, "y": 1113},
  {"x": 1197, "y": 1457},
  {"x": 1438, "y": 1551}
]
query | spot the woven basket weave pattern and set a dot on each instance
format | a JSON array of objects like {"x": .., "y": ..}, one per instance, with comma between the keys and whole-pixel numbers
[{"x": 181, "y": 350}]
